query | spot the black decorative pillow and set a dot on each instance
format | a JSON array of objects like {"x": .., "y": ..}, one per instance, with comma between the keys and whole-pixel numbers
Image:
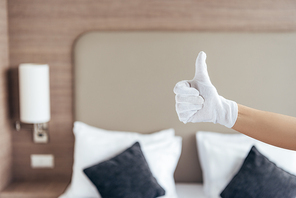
[
  {"x": 260, "y": 178},
  {"x": 126, "y": 175}
]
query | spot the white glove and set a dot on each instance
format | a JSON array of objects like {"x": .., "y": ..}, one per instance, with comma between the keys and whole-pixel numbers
[{"x": 197, "y": 100}]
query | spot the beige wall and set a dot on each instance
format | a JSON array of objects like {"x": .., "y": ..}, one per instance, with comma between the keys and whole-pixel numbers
[
  {"x": 45, "y": 31},
  {"x": 5, "y": 132}
]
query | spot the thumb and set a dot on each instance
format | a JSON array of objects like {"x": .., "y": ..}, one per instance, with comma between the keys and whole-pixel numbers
[{"x": 201, "y": 72}]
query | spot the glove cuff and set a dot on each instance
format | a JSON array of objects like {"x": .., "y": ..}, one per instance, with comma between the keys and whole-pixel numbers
[{"x": 230, "y": 113}]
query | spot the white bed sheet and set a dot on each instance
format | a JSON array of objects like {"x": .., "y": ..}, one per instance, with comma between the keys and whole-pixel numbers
[{"x": 190, "y": 190}]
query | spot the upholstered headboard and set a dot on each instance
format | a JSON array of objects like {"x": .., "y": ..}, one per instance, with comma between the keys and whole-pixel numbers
[{"x": 124, "y": 80}]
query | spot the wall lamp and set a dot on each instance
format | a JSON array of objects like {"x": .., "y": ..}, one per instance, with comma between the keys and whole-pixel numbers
[{"x": 34, "y": 99}]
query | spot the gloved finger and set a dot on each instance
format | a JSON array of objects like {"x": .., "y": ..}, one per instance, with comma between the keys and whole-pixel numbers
[
  {"x": 201, "y": 71},
  {"x": 182, "y": 107},
  {"x": 183, "y": 87},
  {"x": 185, "y": 116},
  {"x": 192, "y": 99}
]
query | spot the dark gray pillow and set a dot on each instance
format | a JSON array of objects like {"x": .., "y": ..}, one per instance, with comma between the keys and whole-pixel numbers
[
  {"x": 260, "y": 178},
  {"x": 126, "y": 175}
]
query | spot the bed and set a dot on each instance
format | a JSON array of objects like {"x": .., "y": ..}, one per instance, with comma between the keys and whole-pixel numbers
[
  {"x": 124, "y": 82},
  {"x": 188, "y": 190}
]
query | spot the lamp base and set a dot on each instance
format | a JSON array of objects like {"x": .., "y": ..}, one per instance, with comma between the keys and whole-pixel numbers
[{"x": 40, "y": 134}]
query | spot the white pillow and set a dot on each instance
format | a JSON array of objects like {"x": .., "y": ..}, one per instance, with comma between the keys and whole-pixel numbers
[
  {"x": 93, "y": 145},
  {"x": 221, "y": 156}
]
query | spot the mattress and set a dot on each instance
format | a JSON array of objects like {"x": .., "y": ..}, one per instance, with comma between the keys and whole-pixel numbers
[{"x": 190, "y": 190}]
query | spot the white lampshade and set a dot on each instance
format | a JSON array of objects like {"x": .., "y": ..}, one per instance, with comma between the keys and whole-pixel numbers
[{"x": 34, "y": 93}]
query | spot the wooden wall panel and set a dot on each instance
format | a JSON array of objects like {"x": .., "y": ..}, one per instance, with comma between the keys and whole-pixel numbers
[
  {"x": 5, "y": 137},
  {"x": 45, "y": 31}
]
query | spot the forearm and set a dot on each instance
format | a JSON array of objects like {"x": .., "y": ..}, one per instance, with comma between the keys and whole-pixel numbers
[{"x": 272, "y": 128}]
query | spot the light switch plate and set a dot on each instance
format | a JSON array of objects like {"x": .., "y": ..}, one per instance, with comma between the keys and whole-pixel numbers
[{"x": 42, "y": 161}]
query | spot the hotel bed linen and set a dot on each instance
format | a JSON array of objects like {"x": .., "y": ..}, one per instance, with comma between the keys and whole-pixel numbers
[{"x": 190, "y": 190}]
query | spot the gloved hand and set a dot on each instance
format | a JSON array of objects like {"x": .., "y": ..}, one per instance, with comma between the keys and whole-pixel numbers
[{"x": 197, "y": 100}]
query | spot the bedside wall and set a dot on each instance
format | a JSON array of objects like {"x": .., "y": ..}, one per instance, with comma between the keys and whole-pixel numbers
[
  {"x": 45, "y": 31},
  {"x": 5, "y": 131}
]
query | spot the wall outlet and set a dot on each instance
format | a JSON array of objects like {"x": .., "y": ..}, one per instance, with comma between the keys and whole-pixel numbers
[{"x": 42, "y": 161}]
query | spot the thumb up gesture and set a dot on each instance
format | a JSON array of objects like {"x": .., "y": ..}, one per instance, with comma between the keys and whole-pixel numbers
[{"x": 197, "y": 100}]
